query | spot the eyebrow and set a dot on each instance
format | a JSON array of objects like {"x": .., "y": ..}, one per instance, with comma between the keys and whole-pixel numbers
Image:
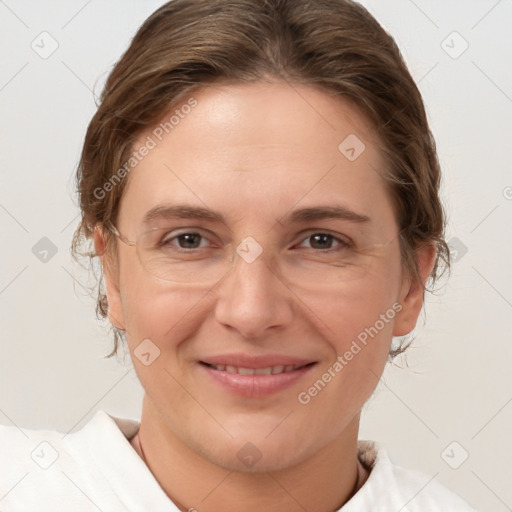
[{"x": 296, "y": 216}]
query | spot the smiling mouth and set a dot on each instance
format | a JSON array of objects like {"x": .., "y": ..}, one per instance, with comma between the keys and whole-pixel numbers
[{"x": 269, "y": 370}]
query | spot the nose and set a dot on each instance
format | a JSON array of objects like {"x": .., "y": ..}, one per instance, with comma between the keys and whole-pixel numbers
[{"x": 252, "y": 298}]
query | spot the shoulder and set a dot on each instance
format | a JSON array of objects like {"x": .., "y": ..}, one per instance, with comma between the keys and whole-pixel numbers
[
  {"x": 27, "y": 465},
  {"x": 50, "y": 470},
  {"x": 391, "y": 487},
  {"x": 25, "y": 449}
]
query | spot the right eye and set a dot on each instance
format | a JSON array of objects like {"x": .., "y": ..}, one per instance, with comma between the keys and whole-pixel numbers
[{"x": 183, "y": 241}]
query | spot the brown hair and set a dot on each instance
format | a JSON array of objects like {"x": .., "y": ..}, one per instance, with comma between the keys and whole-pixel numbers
[{"x": 333, "y": 44}]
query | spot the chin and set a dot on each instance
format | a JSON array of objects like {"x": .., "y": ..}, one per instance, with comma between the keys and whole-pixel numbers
[{"x": 259, "y": 456}]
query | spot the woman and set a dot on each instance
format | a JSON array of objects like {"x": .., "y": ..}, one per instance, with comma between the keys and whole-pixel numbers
[{"x": 262, "y": 188}]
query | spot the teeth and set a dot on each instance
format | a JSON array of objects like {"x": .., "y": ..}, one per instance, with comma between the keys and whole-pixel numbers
[
  {"x": 262, "y": 371},
  {"x": 269, "y": 370},
  {"x": 278, "y": 369}
]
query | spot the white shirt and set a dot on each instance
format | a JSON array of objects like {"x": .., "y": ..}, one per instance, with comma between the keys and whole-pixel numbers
[{"x": 97, "y": 469}]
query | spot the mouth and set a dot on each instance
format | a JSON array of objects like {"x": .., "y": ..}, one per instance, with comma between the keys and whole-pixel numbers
[
  {"x": 256, "y": 377},
  {"x": 268, "y": 370}
]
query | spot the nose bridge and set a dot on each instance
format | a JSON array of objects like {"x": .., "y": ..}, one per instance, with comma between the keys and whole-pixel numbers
[
  {"x": 249, "y": 249},
  {"x": 252, "y": 297},
  {"x": 252, "y": 264}
]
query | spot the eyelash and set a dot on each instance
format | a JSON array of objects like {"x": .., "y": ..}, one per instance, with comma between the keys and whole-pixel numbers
[{"x": 342, "y": 244}]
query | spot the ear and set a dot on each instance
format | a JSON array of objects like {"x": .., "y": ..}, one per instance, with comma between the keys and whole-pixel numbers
[
  {"x": 412, "y": 292},
  {"x": 110, "y": 273}
]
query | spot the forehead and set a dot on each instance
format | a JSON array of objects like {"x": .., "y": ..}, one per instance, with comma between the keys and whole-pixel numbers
[{"x": 256, "y": 148}]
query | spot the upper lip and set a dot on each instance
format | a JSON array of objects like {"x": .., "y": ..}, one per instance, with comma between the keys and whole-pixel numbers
[{"x": 263, "y": 361}]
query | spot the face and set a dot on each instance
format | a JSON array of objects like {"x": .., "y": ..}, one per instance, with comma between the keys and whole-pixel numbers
[{"x": 281, "y": 343}]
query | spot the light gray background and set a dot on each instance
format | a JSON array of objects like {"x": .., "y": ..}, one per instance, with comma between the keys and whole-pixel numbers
[{"x": 457, "y": 386}]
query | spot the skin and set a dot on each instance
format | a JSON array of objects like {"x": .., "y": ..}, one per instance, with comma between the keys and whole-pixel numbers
[{"x": 254, "y": 152}]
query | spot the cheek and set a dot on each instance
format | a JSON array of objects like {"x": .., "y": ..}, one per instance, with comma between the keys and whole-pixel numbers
[
  {"x": 359, "y": 320},
  {"x": 363, "y": 332},
  {"x": 156, "y": 311},
  {"x": 360, "y": 325},
  {"x": 164, "y": 315},
  {"x": 357, "y": 307},
  {"x": 150, "y": 307}
]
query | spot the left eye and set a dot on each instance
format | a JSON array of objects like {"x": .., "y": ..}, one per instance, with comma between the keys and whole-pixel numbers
[{"x": 321, "y": 240}]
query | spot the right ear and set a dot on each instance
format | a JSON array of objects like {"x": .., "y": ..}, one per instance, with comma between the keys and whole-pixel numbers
[{"x": 110, "y": 273}]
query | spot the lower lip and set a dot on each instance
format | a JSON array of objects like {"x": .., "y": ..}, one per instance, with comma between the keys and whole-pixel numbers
[{"x": 255, "y": 386}]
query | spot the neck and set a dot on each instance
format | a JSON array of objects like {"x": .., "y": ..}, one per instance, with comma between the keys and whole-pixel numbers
[{"x": 323, "y": 483}]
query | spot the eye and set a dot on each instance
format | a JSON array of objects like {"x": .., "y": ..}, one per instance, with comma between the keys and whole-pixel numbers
[
  {"x": 184, "y": 241},
  {"x": 190, "y": 240},
  {"x": 325, "y": 241}
]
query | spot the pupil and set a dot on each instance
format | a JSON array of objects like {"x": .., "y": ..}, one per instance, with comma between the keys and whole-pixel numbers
[
  {"x": 189, "y": 240},
  {"x": 324, "y": 238}
]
